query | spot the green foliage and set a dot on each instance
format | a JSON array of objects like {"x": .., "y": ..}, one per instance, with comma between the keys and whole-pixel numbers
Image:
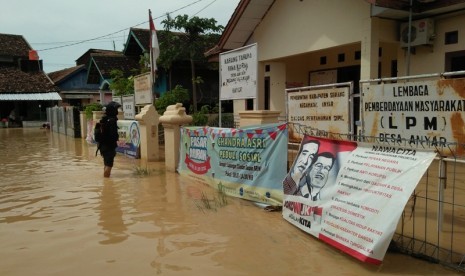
[
  {"x": 227, "y": 120},
  {"x": 92, "y": 107},
  {"x": 139, "y": 171},
  {"x": 144, "y": 63},
  {"x": 199, "y": 35},
  {"x": 121, "y": 85},
  {"x": 201, "y": 118},
  {"x": 177, "y": 95},
  {"x": 217, "y": 201}
]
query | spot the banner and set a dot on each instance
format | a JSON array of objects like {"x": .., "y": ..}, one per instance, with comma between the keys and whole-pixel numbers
[
  {"x": 129, "y": 138},
  {"x": 247, "y": 163},
  {"x": 352, "y": 195}
]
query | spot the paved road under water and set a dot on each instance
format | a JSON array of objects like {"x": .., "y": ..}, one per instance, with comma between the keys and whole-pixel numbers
[{"x": 59, "y": 216}]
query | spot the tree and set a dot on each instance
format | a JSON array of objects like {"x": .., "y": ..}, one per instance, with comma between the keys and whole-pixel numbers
[
  {"x": 196, "y": 39},
  {"x": 120, "y": 84}
]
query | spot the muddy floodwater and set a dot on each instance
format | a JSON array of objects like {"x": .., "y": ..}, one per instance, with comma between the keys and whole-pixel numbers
[{"x": 59, "y": 216}]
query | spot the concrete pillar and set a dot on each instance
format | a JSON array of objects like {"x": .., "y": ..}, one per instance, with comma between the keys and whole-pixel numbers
[
  {"x": 258, "y": 117},
  {"x": 370, "y": 49},
  {"x": 148, "y": 119},
  {"x": 83, "y": 121},
  {"x": 97, "y": 115},
  {"x": 172, "y": 120}
]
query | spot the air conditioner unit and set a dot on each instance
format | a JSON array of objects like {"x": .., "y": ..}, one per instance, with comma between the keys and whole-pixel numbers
[{"x": 422, "y": 33}]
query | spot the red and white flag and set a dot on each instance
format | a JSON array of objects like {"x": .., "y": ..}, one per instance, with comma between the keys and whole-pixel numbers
[{"x": 154, "y": 48}]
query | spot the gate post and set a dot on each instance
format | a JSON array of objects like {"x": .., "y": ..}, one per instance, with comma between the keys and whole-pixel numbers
[
  {"x": 172, "y": 120},
  {"x": 148, "y": 122}
]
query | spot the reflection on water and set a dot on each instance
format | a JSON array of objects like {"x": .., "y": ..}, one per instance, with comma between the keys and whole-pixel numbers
[{"x": 59, "y": 216}]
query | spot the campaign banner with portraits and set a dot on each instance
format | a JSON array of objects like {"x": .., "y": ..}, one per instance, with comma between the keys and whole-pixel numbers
[
  {"x": 351, "y": 195},
  {"x": 248, "y": 163},
  {"x": 129, "y": 138}
]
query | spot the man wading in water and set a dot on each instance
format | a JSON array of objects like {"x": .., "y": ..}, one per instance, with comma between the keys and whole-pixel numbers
[{"x": 109, "y": 136}]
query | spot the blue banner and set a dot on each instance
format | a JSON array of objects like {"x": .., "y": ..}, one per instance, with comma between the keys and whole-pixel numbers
[{"x": 249, "y": 163}]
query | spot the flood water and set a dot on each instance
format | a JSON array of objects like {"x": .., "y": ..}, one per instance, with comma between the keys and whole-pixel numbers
[{"x": 59, "y": 216}]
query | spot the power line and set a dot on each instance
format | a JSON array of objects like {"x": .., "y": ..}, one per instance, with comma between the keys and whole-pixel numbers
[
  {"x": 208, "y": 5},
  {"x": 122, "y": 30},
  {"x": 73, "y": 41}
]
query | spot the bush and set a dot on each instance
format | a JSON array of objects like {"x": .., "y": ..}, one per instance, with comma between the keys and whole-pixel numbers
[
  {"x": 227, "y": 121},
  {"x": 200, "y": 118},
  {"x": 177, "y": 95},
  {"x": 92, "y": 107}
]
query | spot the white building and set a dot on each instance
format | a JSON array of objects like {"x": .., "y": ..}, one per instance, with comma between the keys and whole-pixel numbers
[{"x": 306, "y": 42}]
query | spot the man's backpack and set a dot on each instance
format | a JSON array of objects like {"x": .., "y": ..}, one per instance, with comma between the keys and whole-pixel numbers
[
  {"x": 105, "y": 132},
  {"x": 98, "y": 132}
]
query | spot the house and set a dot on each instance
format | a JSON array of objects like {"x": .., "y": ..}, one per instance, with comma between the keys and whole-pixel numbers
[
  {"x": 72, "y": 81},
  {"x": 180, "y": 73},
  {"x": 24, "y": 88},
  {"x": 100, "y": 67},
  {"x": 302, "y": 43}
]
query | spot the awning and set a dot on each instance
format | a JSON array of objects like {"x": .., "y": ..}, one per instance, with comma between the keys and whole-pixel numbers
[{"x": 50, "y": 96}]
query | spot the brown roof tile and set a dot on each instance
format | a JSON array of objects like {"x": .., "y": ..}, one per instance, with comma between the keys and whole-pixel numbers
[
  {"x": 58, "y": 76},
  {"x": 104, "y": 64},
  {"x": 13, "y": 80},
  {"x": 14, "y": 45}
]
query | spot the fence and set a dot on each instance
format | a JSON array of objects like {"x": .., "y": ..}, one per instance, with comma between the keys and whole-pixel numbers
[{"x": 432, "y": 226}]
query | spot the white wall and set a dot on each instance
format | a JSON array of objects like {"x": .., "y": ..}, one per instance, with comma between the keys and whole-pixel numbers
[
  {"x": 431, "y": 59},
  {"x": 296, "y": 27}
]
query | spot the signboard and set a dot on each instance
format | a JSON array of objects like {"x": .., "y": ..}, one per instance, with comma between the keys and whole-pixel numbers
[
  {"x": 323, "y": 77},
  {"x": 117, "y": 99},
  {"x": 128, "y": 107},
  {"x": 143, "y": 89},
  {"x": 425, "y": 113},
  {"x": 245, "y": 163},
  {"x": 129, "y": 138},
  {"x": 324, "y": 109},
  {"x": 352, "y": 195},
  {"x": 238, "y": 75}
]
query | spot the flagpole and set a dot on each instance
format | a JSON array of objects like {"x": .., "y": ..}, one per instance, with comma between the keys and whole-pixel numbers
[{"x": 152, "y": 77}]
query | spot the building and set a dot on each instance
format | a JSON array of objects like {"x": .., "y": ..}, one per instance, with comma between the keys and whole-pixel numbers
[
  {"x": 72, "y": 81},
  {"x": 307, "y": 42},
  {"x": 25, "y": 89}
]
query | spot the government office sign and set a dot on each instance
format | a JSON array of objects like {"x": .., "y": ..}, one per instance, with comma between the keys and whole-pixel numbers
[
  {"x": 423, "y": 113},
  {"x": 143, "y": 89},
  {"x": 238, "y": 73}
]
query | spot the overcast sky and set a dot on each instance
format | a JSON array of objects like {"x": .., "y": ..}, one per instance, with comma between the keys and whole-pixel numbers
[{"x": 47, "y": 24}]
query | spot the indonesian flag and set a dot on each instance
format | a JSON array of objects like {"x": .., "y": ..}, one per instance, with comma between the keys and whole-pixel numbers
[{"x": 154, "y": 48}]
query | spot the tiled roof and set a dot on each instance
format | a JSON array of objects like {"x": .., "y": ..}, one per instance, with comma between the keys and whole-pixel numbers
[
  {"x": 85, "y": 58},
  {"x": 102, "y": 65},
  {"x": 13, "y": 45},
  {"x": 58, "y": 76},
  {"x": 139, "y": 41},
  {"x": 13, "y": 80}
]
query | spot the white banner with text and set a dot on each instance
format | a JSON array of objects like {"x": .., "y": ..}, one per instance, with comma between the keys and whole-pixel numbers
[{"x": 352, "y": 195}]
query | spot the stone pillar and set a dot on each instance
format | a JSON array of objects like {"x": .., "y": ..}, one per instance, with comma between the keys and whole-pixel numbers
[
  {"x": 97, "y": 115},
  {"x": 148, "y": 119},
  {"x": 258, "y": 117},
  {"x": 172, "y": 120},
  {"x": 83, "y": 121}
]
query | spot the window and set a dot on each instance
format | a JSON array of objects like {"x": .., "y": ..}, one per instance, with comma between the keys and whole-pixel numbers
[
  {"x": 451, "y": 38},
  {"x": 323, "y": 60},
  {"x": 358, "y": 55},
  {"x": 341, "y": 58}
]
